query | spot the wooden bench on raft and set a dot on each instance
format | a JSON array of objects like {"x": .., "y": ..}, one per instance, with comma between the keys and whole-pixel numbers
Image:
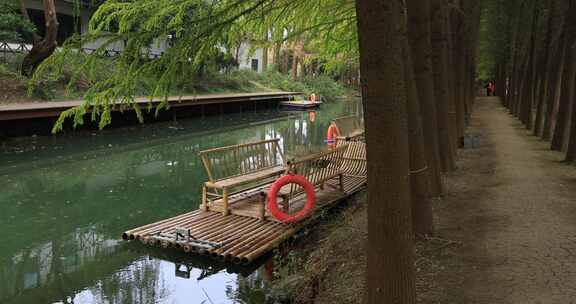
[
  {"x": 235, "y": 171},
  {"x": 352, "y": 134},
  {"x": 221, "y": 193},
  {"x": 318, "y": 169}
]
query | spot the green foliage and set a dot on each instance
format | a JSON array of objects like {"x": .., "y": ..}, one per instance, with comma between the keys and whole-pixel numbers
[
  {"x": 505, "y": 27},
  {"x": 13, "y": 27},
  {"x": 321, "y": 85},
  {"x": 198, "y": 29}
]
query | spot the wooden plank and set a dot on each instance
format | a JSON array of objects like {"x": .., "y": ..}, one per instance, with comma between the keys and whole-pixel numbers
[{"x": 247, "y": 178}]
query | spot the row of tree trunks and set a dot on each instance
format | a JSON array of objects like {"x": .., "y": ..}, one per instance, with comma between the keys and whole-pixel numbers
[
  {"x": 539, "y": 74},
  {"x": 418, "y": 63},
  {"x": 419, "y": 33}
]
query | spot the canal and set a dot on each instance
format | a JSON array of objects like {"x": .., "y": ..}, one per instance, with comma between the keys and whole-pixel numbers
[{"x": 65, "y": 200}]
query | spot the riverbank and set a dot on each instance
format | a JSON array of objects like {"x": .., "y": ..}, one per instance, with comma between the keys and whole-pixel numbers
[
  {"x": 330, "y": 267},
  {"x": 15, "y": 89}
]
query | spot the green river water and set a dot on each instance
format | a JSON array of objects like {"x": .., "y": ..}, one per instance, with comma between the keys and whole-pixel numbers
[{"x": 65, "y": 200}]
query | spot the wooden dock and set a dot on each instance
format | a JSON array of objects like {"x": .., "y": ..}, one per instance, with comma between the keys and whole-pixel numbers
[
  {"x": 38, "y": 118},
  {"x": 54, "y": 108},
  {"x": 240, "y": 239},
  {"x": 239, "y": 228}
]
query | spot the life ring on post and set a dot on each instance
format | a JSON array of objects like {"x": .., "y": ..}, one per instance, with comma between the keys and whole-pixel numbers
[
  {"x": 273, "y": 198},
  {"x": 332, "y": 136}
]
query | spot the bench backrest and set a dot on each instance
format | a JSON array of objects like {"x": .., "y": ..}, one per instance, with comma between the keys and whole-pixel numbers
[
  {"x": 354, "y": 158},
  {"x": 319, "y": 167},
  {"x": 348, "y": 125},
  {"x": 237, "y": 160}
]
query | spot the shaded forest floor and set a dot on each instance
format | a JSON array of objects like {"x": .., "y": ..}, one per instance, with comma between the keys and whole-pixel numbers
[{"x": 505, "y": 230}]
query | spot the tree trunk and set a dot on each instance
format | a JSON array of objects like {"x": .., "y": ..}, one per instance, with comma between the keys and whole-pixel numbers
[
  {"x": 566, "y": 91},
  {"x": 419, "y": 30},
  {"x": 276, "y": 56},
  {"x": 285, "y": 62},
  {"x": 264, "y": 59},
  {"x": 458, "y": 66},
  {"x": 553, "y": 90},
  {"x": 571, "y": 149},
  {"x": 42, "y": 49},
  {"x": 568, "y": 143},
  {"x": 295, "y": 60},
  {"x": 451, "y": 80},
  {"x": 529, "y": 82},
  {"x": 543, "y": 71},
  {"x": 439, "y": 63},
  {"x": 390, "y": 251},
  {"x": 422, "y": 219}
]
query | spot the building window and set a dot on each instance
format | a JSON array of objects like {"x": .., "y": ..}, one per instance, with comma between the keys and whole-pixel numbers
[{"x": 255, "y": 65}]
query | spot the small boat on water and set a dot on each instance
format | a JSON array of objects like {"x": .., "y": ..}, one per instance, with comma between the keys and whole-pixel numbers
[{"x": 301, "y": 103}]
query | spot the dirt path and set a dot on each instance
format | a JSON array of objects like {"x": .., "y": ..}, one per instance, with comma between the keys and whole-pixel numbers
[{"x": 512, "y": 208}]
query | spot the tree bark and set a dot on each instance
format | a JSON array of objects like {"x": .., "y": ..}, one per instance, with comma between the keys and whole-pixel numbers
[
  {"x": 543, "y": 71},
  {"x": 419, "y": 30},
  {"x": 276, "y": 56},
  {"x": 449, "y": 52},
  {"x": 571, "y": 149},
  {"x": 553, "y": 91},
  {"x": 568, "y": 143},
  {"x": 439, "y": 63},
  {"x": 567, "y": 88},
  {"x": 390, "y": 252},
  {"x": 42, "y": 49},
  {"x": 295, "y": 66},
  {"x": 422, "y": 219},
  {"x": 264, "y": 59},
  {"x": 458, "y": 66}
]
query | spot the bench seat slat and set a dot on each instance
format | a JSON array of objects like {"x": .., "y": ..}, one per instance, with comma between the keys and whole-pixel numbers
[{"x": 247, "y": 178}]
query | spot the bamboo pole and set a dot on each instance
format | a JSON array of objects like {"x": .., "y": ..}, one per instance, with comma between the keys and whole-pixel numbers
[{"x": 128, "y": 232}]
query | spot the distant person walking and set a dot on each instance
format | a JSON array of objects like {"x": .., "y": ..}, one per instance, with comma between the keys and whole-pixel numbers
[{"x": 490, "y": 88}]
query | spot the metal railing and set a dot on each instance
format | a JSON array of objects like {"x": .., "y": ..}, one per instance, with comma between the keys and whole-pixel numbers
[{"x": 7, "y": 48}]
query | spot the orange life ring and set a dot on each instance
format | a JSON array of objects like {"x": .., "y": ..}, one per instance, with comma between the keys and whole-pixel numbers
[
  {"x": 273, "y": 199},
  {"x": 332, "y": 135}
]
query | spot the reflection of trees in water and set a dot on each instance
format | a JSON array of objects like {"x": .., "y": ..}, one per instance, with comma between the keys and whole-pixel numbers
[
  {"x": 250, "y": 290},
  {"x": 55, "y": 266},
  {"x": 139, "y": 283}
]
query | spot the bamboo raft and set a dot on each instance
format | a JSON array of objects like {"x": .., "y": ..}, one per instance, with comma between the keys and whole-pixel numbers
[{"x": 233, "y": 223}]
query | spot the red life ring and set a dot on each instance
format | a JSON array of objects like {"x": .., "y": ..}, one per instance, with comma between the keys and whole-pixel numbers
[
  {"x": 332, "y": 135},
  {"x": 273, "y": 198}
]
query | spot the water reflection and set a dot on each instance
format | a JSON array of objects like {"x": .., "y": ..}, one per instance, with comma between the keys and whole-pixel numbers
[{"x": 66, "y": 200}]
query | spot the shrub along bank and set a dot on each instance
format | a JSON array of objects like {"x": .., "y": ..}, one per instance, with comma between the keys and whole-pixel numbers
[{"x": 64, "y": 84}]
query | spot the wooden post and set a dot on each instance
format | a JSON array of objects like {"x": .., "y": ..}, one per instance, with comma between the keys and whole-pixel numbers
[
  {"x": 225, "y": 212},
  {"x": 285, "y": 203},
  {"x": 262, "y": 210},
  {"x": 204, "y": 199}
]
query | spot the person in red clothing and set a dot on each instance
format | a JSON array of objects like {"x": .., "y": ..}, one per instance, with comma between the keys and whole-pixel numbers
[{"x": 490, "y": 88}]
